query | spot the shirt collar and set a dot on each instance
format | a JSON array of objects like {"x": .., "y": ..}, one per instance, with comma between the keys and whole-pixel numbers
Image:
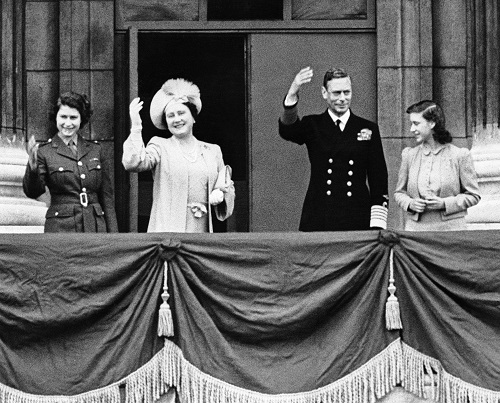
[
  {"x": 343, "y": 119},
  {"x": 427, "y": 150},
  {"x": 66, "y": 140}
]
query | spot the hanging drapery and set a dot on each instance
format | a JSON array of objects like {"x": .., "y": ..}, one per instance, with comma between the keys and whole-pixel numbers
[{"x": 278, "y": 317}]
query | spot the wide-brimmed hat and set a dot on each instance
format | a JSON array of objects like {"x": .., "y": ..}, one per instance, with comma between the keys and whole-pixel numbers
[{"x": 173, "y": 90}]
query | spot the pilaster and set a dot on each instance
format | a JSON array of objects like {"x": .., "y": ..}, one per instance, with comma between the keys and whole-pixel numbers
[
  {"x": 483, "y": 60},
  {"x": 17, "y": 212}
]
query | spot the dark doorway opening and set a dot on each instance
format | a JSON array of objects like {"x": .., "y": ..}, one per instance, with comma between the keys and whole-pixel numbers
[{"x": 217, "y": 64}]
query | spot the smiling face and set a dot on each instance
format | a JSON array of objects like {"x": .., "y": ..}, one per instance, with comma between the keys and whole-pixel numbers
[
  {"x": 68, "y": 121},
  {"x": 338, "y": 94},
  {"x": 179, "y": 120},
  {"x": 421, "y": 128}
]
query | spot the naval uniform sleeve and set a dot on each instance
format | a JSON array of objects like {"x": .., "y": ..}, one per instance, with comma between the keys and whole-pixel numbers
[
  {"x": 291, "y": 127},
  {"x": 378, "y": 182}
]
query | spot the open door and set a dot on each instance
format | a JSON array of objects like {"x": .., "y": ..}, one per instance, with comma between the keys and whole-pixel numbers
[{"x": 217, "y": 64}]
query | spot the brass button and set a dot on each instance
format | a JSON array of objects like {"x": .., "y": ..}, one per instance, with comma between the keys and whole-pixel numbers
[
  {"x": 349, "y": 183},
  {"x": 80, "y": 163},
  {"x": 349, "y": 194},
  {"x": 82, "y": 176},
  {"x": 329, "y": 171},
  {"x": 84, "y": 190},
  {"x": 330, "y": 160},
  {"x": 328, "y": 192},
  {"x": 328, "y": 182},
  {"x": 61, "y": 169},
  {"x": 351, "y": 162},
  {"x": 349, "y": 173}
]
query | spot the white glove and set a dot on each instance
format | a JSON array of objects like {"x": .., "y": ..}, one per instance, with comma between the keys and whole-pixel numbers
[{"x": 216, "y": 197}]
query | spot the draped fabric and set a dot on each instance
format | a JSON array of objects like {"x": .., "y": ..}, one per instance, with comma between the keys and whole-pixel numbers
[{"x": 269, "y": 317}]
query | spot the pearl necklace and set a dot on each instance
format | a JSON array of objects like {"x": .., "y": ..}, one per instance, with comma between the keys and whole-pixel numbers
[{"x": 191, "y": 155}]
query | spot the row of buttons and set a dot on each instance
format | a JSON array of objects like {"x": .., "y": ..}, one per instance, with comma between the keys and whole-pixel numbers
[
  {"x": 329, "y": 182},
  {"x": 351, "y": 162}
]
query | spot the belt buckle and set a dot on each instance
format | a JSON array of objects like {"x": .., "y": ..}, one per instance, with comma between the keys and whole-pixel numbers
[{"x": 84, "y": 200}]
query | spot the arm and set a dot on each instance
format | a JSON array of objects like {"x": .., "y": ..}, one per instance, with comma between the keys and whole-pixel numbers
[
  {"x": 469, "y": 188},
  {"x": 34, "y": 176},
  {"x": 223, "y": 195},
  {"x": 403, "y": 199},
  {"x": 289, "y": 123},
  {"x": 136, "y": 157},
  {"x": 377, "y": 180},
  {"x": 107, "y": 196}
]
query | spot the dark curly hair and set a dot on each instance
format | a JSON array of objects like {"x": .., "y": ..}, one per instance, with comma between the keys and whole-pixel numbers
[
  {"x": 432, "y": 112},
  {"x": 80, "y": 102},
  {"x": 334, "y": 73}
]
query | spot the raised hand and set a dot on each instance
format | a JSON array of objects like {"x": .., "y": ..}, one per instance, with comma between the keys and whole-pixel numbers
[
  {"x": 134, "y": 109},
  {"x": 304, "y": 76},
  {"x": 32, "y": 153}
]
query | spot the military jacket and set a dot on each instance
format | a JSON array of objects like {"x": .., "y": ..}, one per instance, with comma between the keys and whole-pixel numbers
[
  {"x": 348, "y": 172},
  {"x": 80, "y": 188}
]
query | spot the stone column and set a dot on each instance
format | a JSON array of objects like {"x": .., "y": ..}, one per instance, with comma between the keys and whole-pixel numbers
[
  {"x": 484, "y": 98},
  {"x": 404, "y": 72},
  {"x": 17, "y": 212}
]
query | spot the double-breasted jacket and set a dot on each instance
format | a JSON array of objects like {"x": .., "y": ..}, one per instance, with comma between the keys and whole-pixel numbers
[{"x": 348, "y": 172}]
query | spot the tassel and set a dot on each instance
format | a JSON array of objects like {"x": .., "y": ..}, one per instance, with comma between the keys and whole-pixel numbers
[
  {"x": 392, "y": 314},
  {"x": 165, "y": 322}
]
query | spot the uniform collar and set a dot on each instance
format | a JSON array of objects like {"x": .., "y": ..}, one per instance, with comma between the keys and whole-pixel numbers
[{"x": 66, "y": 140}]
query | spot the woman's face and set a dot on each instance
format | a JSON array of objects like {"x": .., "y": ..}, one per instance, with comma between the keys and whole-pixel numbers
[
  {"x": 421, "y": 128},
  {"x": 179, "y": 119},
  {"x": 68, "y": 121}
]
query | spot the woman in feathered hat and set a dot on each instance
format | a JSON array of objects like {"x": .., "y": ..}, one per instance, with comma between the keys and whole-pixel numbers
[{"x": 189, "y": 175}]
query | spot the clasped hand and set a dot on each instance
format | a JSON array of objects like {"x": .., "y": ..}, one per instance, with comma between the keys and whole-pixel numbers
[{"x": 430, "y": 203}]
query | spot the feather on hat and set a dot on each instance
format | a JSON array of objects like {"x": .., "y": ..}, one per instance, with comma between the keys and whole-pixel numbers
[{"x": 173, "y": 90}]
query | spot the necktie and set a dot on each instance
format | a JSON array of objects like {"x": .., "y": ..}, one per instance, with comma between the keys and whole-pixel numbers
[
  {"x": 337, "y": 123},
  {"x": 72, "y": 147}
]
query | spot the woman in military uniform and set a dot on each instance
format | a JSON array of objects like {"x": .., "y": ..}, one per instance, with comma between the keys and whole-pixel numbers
[{"x": 71, "y": 168}]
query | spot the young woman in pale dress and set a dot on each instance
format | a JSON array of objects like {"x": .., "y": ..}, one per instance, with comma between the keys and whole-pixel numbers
[{"x": 437, "y": 182}]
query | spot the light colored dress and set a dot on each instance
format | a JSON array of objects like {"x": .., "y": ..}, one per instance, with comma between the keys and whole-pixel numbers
[
  {"x": 447, "y": 172},
  {"x": 179, "y": 182}
]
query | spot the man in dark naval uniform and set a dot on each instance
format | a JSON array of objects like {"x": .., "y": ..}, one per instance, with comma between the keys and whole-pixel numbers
[{"x": 348, "y": 184}]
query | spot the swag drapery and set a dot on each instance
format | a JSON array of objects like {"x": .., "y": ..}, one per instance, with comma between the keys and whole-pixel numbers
[{"x": 269, "y": 317}]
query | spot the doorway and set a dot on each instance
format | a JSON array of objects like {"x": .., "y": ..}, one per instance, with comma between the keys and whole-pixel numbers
[{"x": 217, "y": 64}]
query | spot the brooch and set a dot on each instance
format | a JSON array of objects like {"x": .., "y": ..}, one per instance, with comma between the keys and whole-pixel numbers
[{"x": 364, "y": 134}]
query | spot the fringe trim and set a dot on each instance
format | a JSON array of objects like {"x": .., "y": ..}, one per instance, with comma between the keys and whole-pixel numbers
[
  {"x": 396, "y": 364},
  {"x": 108, "y": 394},
  {"x": 426, "y": 377},
  {"x": 368, "y": 383},
  {"x": 169, "y": 368}
]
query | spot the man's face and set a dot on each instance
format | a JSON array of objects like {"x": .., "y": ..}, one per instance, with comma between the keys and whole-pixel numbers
[{"x": 337, "y": 95}]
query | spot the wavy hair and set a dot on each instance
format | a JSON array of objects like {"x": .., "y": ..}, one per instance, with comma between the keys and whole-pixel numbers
[
  {"x": 334, "y": 73},
  {"x": 432, "y": 112},
  {"x": 80, "y": 102}
]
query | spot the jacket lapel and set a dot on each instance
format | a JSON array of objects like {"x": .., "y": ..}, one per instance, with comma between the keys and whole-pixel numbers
[
  {"x": 62, "y": 148},
  {"x": 83, "y": 147}
]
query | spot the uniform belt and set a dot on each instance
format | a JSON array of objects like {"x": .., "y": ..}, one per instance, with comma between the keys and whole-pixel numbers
[{"x": 83, "y": 198}]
